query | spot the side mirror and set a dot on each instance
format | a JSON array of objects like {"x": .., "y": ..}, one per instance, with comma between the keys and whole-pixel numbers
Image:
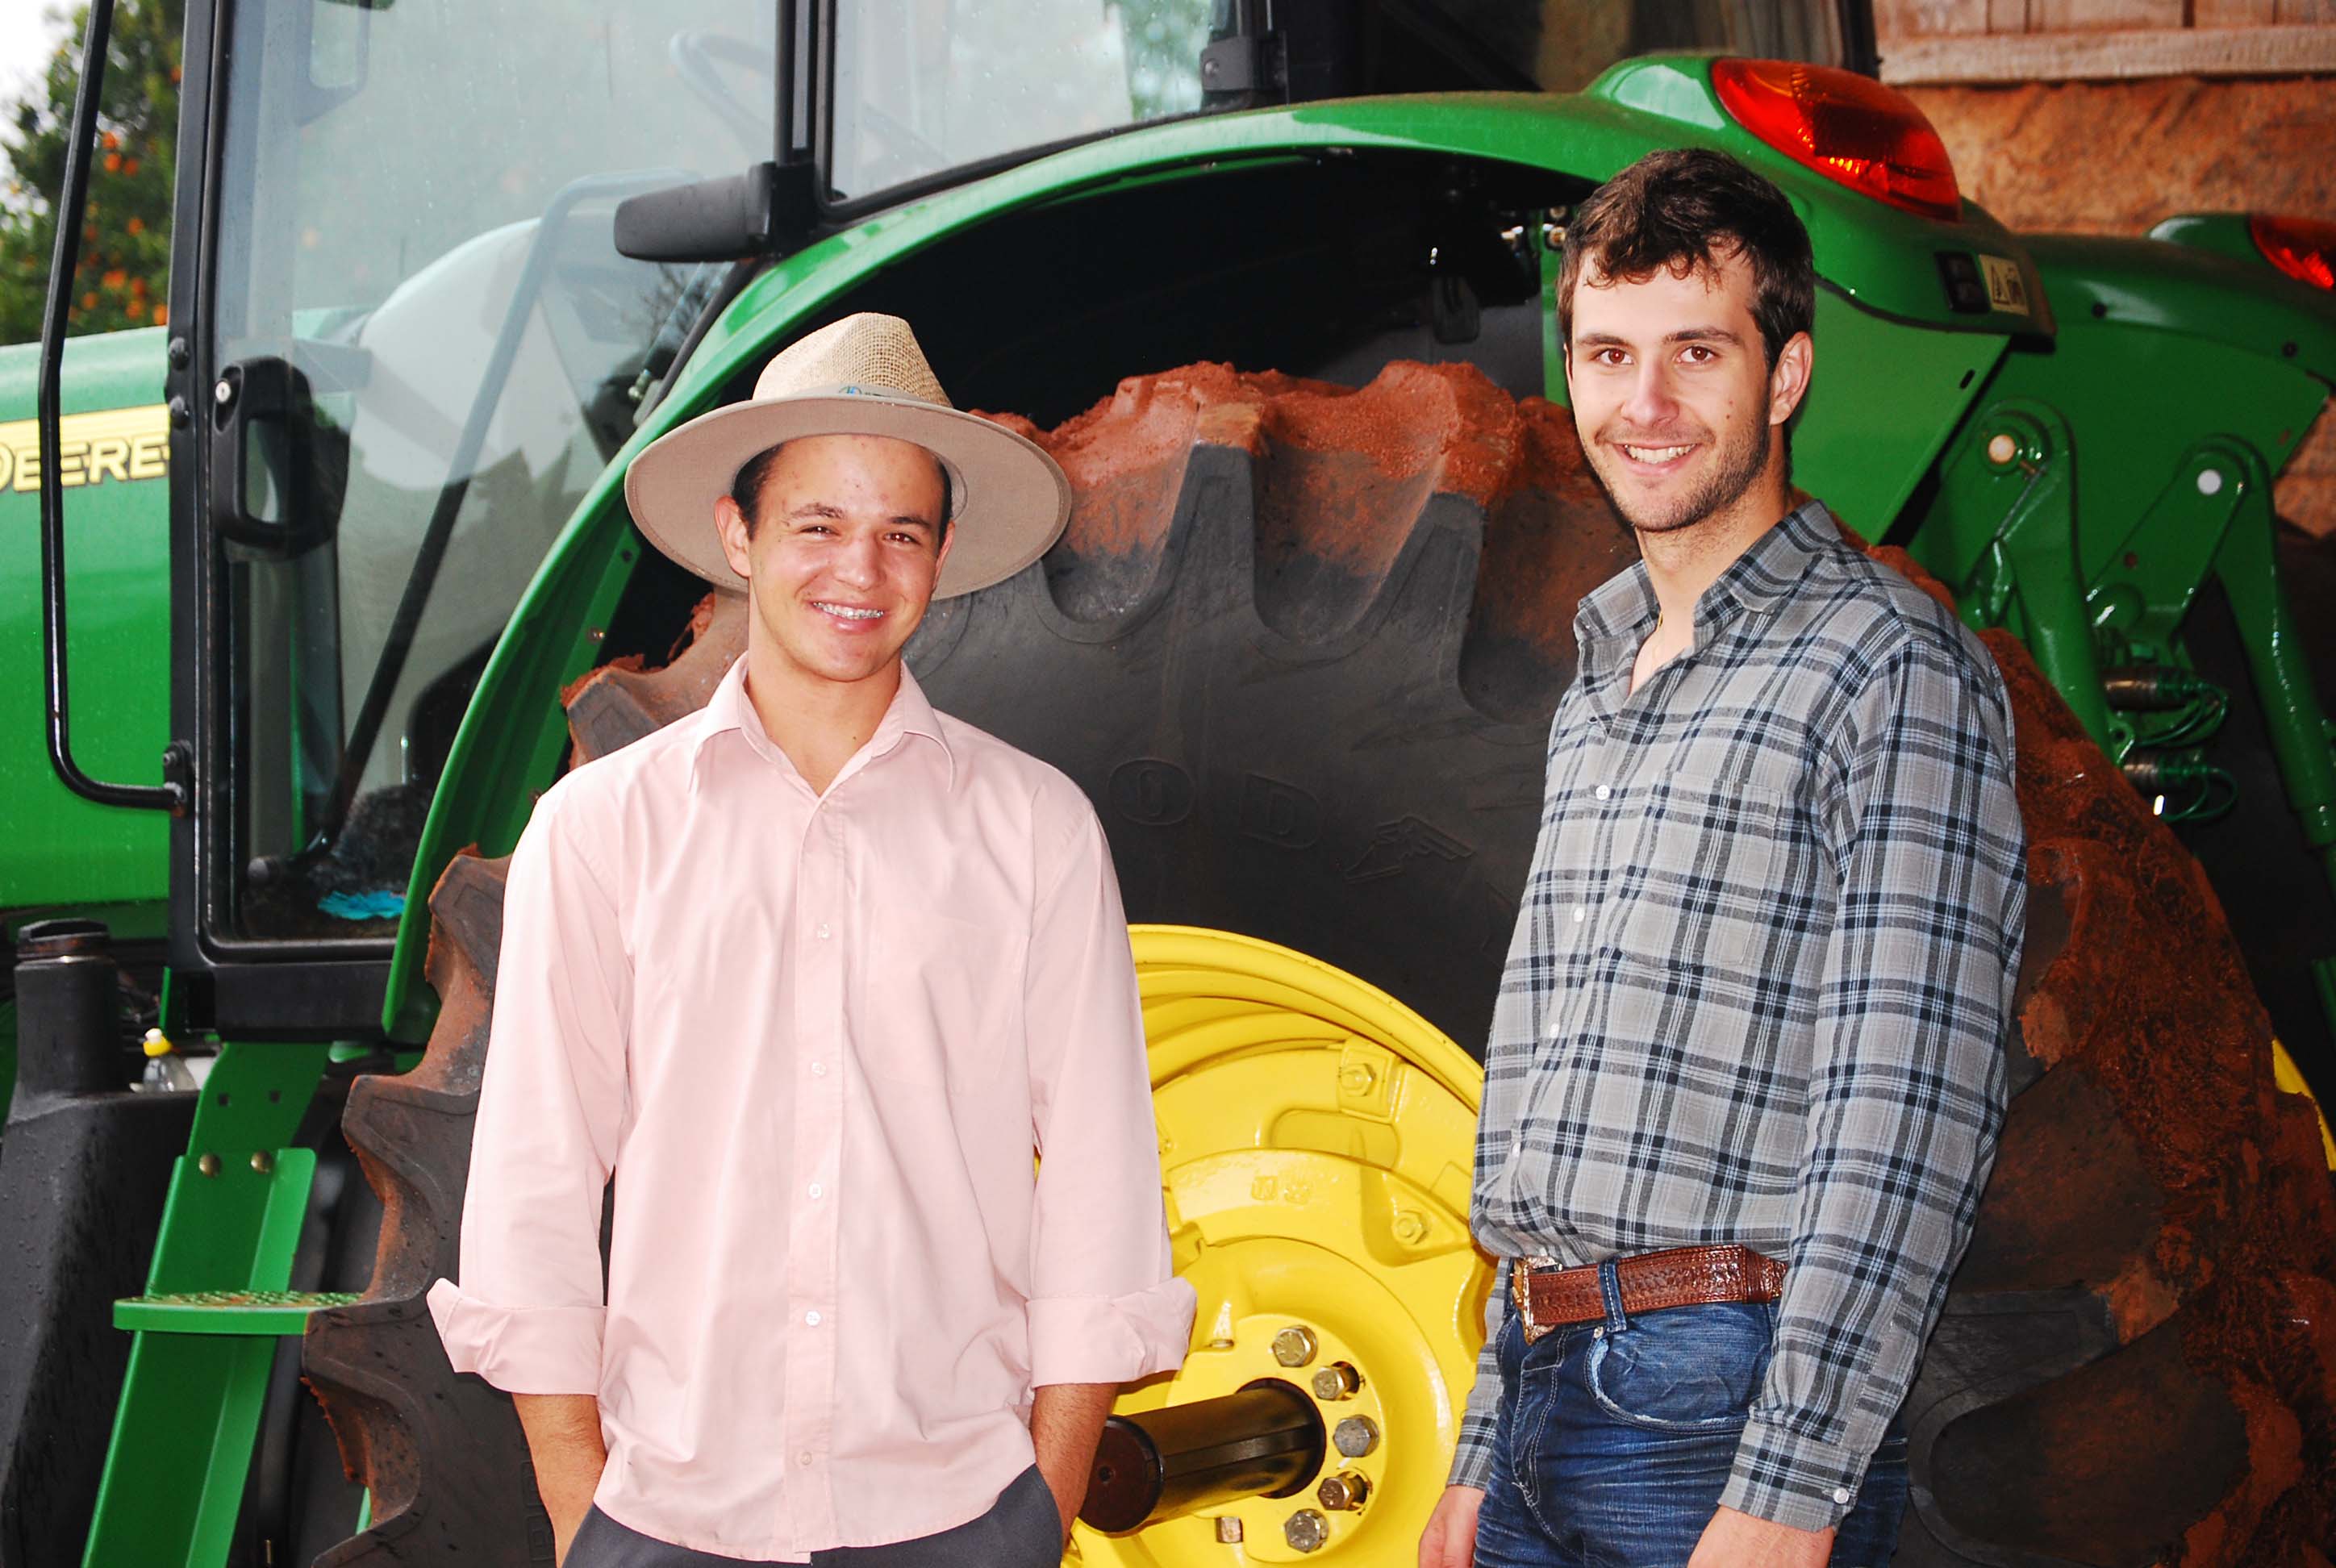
[{"x": 768, "y": 210}]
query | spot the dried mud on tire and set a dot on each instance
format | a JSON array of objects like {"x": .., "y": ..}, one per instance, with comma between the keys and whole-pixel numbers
[{"x": 1300, "y": 646}]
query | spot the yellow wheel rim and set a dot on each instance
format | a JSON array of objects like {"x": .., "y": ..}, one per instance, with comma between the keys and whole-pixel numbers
[
  {"x": 2290, "y": 1078},
  {"x": 1316, "y": 1137}
]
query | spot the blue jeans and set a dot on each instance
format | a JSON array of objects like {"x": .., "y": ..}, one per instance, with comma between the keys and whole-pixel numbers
[{"x": 1614, "y": 1446}]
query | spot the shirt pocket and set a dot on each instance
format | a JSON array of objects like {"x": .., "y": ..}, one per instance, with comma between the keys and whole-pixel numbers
[
  {"x": 1705, "y": 858},
  {"x": 942, "y": 998}
]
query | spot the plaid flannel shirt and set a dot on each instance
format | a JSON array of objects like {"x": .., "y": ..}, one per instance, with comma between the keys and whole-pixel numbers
[{"x": 1760, "y": 980}]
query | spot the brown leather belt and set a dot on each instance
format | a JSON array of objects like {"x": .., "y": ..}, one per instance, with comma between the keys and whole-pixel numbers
[{"x": 1548, "y": 1297}]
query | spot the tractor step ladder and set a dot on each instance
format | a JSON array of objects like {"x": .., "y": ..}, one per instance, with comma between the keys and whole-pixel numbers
[
  {"x": 261, "y": 1314},
  {"x": 206, "y": 1331}
]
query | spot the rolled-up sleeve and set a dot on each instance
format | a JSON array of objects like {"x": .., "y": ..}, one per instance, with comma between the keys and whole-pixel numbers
[
  {"x": 1106, "y": 1304},
  {"x": 527, "y": 1313}
]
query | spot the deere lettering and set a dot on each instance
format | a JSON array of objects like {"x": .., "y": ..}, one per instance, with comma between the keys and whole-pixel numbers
[{"x": 117, "y": 445}]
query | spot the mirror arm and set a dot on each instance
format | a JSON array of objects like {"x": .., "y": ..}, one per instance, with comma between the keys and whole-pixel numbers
[{"x": 73, "y": 204}]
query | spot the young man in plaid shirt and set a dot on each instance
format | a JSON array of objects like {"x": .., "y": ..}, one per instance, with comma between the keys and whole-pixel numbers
[{"x": 1745, "y": 1076}]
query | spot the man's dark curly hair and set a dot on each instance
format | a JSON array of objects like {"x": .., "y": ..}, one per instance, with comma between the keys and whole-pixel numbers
[{"x": 1686, "y": 208}]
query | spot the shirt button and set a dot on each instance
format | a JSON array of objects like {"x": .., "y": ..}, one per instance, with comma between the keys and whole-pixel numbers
[
  {"x": 816, "y": 1189},
  {"x": 1842, "y": 1493},
  {"x": 811, "y": 1318},
  {"x": 822, "y": 931},
  {"x": 804, "y": 1458},
  {"x": 1580, "y": 914},
  {"x": 1603, "y": 792},
  {"x": 819, "y": 1069}
]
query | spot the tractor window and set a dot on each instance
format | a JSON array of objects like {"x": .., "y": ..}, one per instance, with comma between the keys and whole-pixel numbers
[
  {"x": 424, "y": 348},
  {"x": 925, "y": 85}
]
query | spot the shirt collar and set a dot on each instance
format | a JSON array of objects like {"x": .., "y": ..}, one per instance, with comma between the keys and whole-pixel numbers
[
  {"x": 729, "y": 710},
  {"x": 1625, "y": 608}
]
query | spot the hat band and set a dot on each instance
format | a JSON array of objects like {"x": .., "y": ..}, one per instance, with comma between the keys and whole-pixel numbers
[{"x": 867, "y": 389}]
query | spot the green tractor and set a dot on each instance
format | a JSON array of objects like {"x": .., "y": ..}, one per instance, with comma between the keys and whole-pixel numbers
[{"x": 345, "y": 547}]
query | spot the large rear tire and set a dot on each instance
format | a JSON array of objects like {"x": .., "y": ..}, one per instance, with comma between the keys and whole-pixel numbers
[{"x": 1300, "y": 647}]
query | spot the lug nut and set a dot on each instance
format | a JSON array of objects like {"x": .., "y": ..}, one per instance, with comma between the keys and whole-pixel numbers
[
  {"x": 1343, "y": 1491},
  {"x": 1337, "y": 1380},
  {"x": 1355, "y": 1437},
  {"x": 1295, "y": 1346},
  {"x": 1306, "y": 1530},
  {"x": 1229, "y": 1530}
]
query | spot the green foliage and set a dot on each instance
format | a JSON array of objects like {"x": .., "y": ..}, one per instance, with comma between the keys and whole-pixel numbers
[{"x": 125, "y": 247}]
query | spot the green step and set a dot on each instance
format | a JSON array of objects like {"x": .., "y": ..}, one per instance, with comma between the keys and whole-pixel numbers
[{"x": 255, "y": 1312}]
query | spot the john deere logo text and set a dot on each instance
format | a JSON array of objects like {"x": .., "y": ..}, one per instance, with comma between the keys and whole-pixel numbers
[{"x": 119, "y": 444}]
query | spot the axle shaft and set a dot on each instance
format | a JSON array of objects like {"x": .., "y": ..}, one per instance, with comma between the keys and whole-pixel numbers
[{"x": 1265, "y": 1440}]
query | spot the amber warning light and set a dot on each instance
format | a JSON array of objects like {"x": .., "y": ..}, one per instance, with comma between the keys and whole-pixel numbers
[
  {"x": 1848, "y": 128},
  {"x": 2302, "y": 248}
]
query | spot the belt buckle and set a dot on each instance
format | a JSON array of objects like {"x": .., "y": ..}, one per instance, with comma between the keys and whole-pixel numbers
[{"x": 1521, "y": 1292}]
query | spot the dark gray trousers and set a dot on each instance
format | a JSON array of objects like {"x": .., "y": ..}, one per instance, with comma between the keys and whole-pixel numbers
[{"x": 1022, "y": 1529}]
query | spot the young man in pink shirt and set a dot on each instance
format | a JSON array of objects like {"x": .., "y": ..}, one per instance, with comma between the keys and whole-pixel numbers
[{"x": 813, "y": 972}]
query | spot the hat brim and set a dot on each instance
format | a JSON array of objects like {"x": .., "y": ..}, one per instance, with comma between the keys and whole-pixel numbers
[{"x": 1010, "y": 500}]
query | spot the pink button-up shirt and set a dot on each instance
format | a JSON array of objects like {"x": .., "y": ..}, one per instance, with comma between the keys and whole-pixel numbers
[{"x": 817, "y": 1039}]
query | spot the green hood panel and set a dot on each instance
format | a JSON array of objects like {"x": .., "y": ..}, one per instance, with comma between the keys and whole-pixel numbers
[{"x": 61, "y": 849}]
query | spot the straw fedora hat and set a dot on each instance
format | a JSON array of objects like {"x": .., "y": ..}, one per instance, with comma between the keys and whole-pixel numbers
[{"x": 861, "y": 376}]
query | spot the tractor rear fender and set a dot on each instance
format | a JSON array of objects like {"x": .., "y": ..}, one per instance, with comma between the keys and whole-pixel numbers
[{"x": 1895, "y": 349}]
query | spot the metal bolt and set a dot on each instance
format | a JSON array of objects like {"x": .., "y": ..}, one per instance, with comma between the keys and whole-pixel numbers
[
  {"x": 1410, "y": 1228},
  {"x": 209, "y": 1164},
  {"x": 1355, "y": 1437},
  {"x": 1306, "y": 1530},
  {"x": 1356, "y": 1078},
  {"x": 1229, "y": 1530},
  {"x": 181, "y": 351},
  {"x": 180, "y": 413},
  {"x": 223, "y": 392},
  {"x": 2210, "y": 482},
  {"x": 1343, "y": 1491},
  {"x": 2001, "y": 449},
  {"x": 1295, "y": 1346},
  {"x": 262, "y": 1160},
  {"x": 1337, "y": 1380}
]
